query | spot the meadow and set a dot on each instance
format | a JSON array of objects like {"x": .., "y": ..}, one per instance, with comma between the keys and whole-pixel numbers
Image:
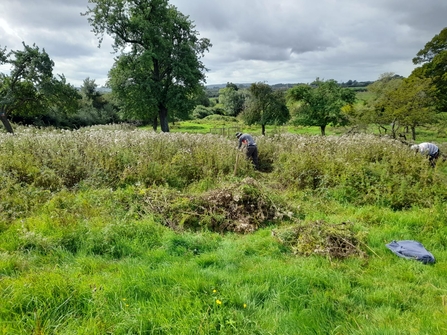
[{"x": 117, "y": 230}]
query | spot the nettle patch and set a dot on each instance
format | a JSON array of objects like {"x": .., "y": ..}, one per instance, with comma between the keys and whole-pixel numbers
[{"x": 241, "y": 207}]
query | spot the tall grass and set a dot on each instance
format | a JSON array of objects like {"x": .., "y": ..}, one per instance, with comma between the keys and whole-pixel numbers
[
  {"x": 358, "y": 169},
  {"x": 54, "y": 160},
  {"x": 85, "y": 250}
]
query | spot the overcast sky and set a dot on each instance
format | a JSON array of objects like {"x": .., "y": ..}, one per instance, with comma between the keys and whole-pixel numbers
[{"x": 272, "y": 41}]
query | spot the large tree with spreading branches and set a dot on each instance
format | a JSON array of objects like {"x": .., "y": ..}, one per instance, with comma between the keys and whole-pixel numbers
[{"x": 158, "y": 71}]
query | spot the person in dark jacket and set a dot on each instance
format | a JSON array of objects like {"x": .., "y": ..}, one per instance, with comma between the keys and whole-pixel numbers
[
  {"x": 428, "y": 149},
  {"x": 250, "y": 145}
]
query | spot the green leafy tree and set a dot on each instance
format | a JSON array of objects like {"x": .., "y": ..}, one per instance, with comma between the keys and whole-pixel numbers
[
  {"x": 433, "y": 61},
  {"x": 3, "y": 56},
  {"x": 89, "y": 89},
  {"x": 265, "y": 107},
  {"x": 97, "y": 107},
  {"x": 202, "y": 98},
  {"x": 380, "y": 106},
  {"x": 320, "y": 104},
  {"x": 411, "y": 103},
  {"x": 159, "y": 70},
  {"x": 232, "y": 99},
  {"x": 62, "y": 98},
  {"x": 30, "y": 89},
  {"x": 401, "y": 103}
]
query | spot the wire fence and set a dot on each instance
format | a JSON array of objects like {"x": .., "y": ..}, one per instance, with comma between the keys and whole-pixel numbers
[{"x": 225, "y": 131}]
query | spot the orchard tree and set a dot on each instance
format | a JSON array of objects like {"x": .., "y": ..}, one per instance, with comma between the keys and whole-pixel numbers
[
  {"x": 401, "y": 102},
  {"x": 30, "y": 89},
  {"x": 232, "y": 99},
  {"x": 433, "y": 61},
  {"x": 411, "y": 103},
  {"x": 320, "y": 104},
  {"x": 159, "y": 71},
  {"x": 381, "y": 105},
  {"x": 265, "y": 106}
]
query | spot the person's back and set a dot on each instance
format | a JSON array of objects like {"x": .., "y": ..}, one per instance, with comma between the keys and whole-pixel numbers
[
  {"x": 247, "y": 140},
  {"x": 429, "y": 149},
  {"x": 251, "y": 150}
]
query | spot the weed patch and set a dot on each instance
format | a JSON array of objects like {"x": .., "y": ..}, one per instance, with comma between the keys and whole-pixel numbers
[
  {"x": 322, "y": 238},
  {"x": 241, "y": 207}
]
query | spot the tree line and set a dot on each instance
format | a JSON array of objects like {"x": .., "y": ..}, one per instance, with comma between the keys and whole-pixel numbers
[{"x": 158, "y": 77}]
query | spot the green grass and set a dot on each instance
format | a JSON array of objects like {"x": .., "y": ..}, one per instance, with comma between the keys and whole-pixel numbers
[
  {"x": 205, "y": 283},
  {"x": 423, "y": 134},
  {"x": 96, "y": 236},
  {"x": 230, "y": 128},
  {"x": 191, "y": 127}
]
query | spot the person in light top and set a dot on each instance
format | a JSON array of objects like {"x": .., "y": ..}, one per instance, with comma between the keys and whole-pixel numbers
[
  {"x": 250, "y": 146},
  {"x": 428, "y": 149}
]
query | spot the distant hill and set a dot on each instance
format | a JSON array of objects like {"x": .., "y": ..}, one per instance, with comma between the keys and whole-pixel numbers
[
  {"x": 219, "y": 86},
  {"x": 349, "y": 83},
  {"x": 245, "y": 85},
  {"x": 101, "y": 89}
]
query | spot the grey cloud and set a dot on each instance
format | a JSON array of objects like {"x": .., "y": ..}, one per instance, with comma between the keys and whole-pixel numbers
[
  {"x": 273, "y": 24},
  {"x": 49, "y": 14},
  {"x": 422, "y": 15},
  {"x": 262, "y": 40}
]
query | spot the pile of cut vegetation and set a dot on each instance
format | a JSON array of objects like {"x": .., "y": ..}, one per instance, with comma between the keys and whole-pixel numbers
[
  {"x": 322, "y": 238},
  {"x": 241, "y": 207}
]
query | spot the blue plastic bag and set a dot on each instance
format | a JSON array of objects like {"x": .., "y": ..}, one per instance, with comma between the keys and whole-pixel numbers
[{"x": 411, "y": 250}]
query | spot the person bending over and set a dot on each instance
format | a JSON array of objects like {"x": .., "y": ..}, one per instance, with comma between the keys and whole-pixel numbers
[
  {"x": 251, "y": 148},
  {"x": 428, "y": 149}
]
